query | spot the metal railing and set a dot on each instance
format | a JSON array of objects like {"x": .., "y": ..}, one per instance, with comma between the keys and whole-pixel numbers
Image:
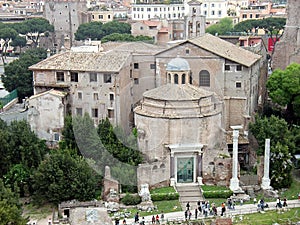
[{"x": 8, "y": 98}]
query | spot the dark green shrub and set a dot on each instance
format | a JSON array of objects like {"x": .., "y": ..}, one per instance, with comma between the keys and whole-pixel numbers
[
  {"x": 131, "y": 199},
  {"x": 164, "y": 196},
  {"x": 217, "y": 194}
]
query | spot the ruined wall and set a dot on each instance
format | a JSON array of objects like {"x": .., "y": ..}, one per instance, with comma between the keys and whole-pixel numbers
[{"x": 287, "y": 50}]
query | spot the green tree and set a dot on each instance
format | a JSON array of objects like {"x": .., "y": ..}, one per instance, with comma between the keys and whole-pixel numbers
[
  {"x": 19, "y": 42},
  {"x": 20, "y": 153},
  {"x": 225, "y": 25},
  {"x": 98, "y": 30},
  {"x": 273, "y": 27},
  {"x": 7, "y": 34},
  {"x": 10, "y": 208},
  {"x": 17, "y": 76},
  {"x": 284, "y": 89},
  {"x": 64, "y": 176},
  {"x": 33, "y": 28},
  {"x": 282, "y": 147},
  {"x": 126, "y": 38},
  {"x": 68, "y": 134}
]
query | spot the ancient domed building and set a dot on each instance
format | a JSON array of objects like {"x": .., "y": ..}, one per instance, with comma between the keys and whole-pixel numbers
[{"x": 180, "y": 131}]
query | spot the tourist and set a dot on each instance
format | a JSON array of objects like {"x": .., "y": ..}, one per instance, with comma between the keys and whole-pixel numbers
[
  {"x": 223, "y": 209},
  {"x": 124, "y": 221},
  {"x": 153, "y": 219},
  {"x": 186, "y": 214},
  {"x": 241, "y": 202},
  {"x": 162, "y": 216},
  {"x": 278, "y": 203},
  {"x": 196, "y": 213},
  {"x": 199, "y": 206},
  {"x": 143, "y": 221},
  {"x": 254, "y": 201},
  {"x": 136, "y": 217},
  {"x": 117, "y": 221},
  {"x": 157, "y": 219},
  {"x": 190, "y": 215},
  {"x": 285, "y": 202},
  {"x": 188, "y": 206}
]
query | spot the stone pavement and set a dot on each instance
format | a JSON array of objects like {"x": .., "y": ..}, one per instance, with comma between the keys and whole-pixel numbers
[{"x": 239, "y": 210}]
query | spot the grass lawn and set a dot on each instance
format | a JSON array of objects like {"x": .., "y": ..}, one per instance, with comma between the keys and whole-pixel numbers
[
  {"x": 270, "y": 217},
  {"x": 37, "y": 212}
]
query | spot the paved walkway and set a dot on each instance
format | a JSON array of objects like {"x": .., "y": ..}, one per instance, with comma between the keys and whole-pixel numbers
[{"x": 239, "y": 210}]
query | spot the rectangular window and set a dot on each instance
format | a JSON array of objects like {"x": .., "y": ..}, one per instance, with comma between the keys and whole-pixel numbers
[
  {"x": 79, "y": 111},
  {"x": 100, "y": 16},
  {"x": 244, "y": 16},
  {"x": 110, "y": 113},
  {"x": 93, "y": 77},
  {"x": 79, "y": 94},
  {"x": 227, "y": 67},
  {"x": 135, "y": 65},
  {"x": 250, "y": 15},
  {"x": 96, "y": 96},
  {"x": 60, "y": 76},
  {"x": 257, "y": 16},
  {"x": 111, "y": 97},
  {"x": 238, "y": 84},
  {"x": 95, "y": 113},
  {"x": 107, "y": 78},
  {"x": 152, "y": 66},
  {"x": 136, "y": 80},
  {"x": 74, "y": 77},
  {"x": 213, "y": 13},
  {"x": 56, "y": 137},
  {"x": 238, "y": 67}
]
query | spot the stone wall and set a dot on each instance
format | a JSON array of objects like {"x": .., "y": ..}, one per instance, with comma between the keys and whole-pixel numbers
[{"x": 287, "y": 50}]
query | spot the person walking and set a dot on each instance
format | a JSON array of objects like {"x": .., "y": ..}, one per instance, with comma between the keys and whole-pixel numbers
[
  {"x": 223, "y": 209},
  {"x": 153, "y": 219},
  {"x": 136, "y": 217},
  {"x": 188, "y": 206},
  {"x": 196, "y": 213},
  {"x": 157, "y": 219},
  {"x": 186, "y": 214},
  {"x": 162, "y": 216}
]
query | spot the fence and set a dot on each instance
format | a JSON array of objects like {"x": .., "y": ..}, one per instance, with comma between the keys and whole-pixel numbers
[{"x": 8, "y": 98}]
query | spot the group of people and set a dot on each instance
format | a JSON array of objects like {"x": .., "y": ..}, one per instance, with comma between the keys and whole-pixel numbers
[
  {"x": 155, "y": 219},
  {"x": 203, "y": 207},
  {"x": 279, "y": 204}
]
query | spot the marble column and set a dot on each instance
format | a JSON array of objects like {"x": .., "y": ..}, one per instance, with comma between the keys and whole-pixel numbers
[
  {"x": 265, "y": 184},
  {"x": 234, "y": 181},
  {"x": 172, "y": 170},
  {"x": 199, "y": 171}
]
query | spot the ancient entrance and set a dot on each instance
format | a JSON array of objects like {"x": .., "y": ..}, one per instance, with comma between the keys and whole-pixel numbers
[{"x": 185, "y": 169}]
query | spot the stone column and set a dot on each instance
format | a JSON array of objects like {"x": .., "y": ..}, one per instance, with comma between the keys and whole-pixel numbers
[
  {"x": 199, "y": 170},
  {"x": 265, "y": 184},
  {"x": 234, "y": 181},
  {"x": 172, "y": 164}
]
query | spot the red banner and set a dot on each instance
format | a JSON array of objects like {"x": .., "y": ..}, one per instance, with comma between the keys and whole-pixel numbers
[{"x": 271, "y": 43}]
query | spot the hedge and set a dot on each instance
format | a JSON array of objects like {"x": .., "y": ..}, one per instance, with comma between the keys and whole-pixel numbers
[
  {"x": 217, "y": 194},
  {"x": 164, "y": 196},
  {"x": 131, "y": 199}
]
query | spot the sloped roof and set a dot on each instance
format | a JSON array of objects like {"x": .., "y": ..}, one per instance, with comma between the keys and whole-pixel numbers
[
  {"x": 175, "y": 92},
  {"x": 225, "y": 49},
  {"x": 150, "y": 23},
  {"x": 51, "y": 92},
  {"x": 83, "y": 61}
]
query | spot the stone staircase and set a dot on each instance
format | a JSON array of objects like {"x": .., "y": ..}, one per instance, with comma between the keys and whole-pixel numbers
[{"x": 189, "y": 193}]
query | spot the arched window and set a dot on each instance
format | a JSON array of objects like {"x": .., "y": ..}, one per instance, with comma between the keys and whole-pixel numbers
[
  {"x": 183, "y": 79},
  {"x": 169, "y": 78},
  {"x": 204, "y": 78},
  {"x": 175, "y": 78}
]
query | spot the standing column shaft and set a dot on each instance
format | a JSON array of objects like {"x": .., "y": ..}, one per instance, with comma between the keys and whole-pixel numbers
[
  {"x": 235, "y": 154},
  {"x": 266, "y": 180}
]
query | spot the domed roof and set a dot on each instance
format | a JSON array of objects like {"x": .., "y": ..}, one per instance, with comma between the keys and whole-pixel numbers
[
  {"x": 178, "y": 64},
  {"x": 174, "y": 92}
]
